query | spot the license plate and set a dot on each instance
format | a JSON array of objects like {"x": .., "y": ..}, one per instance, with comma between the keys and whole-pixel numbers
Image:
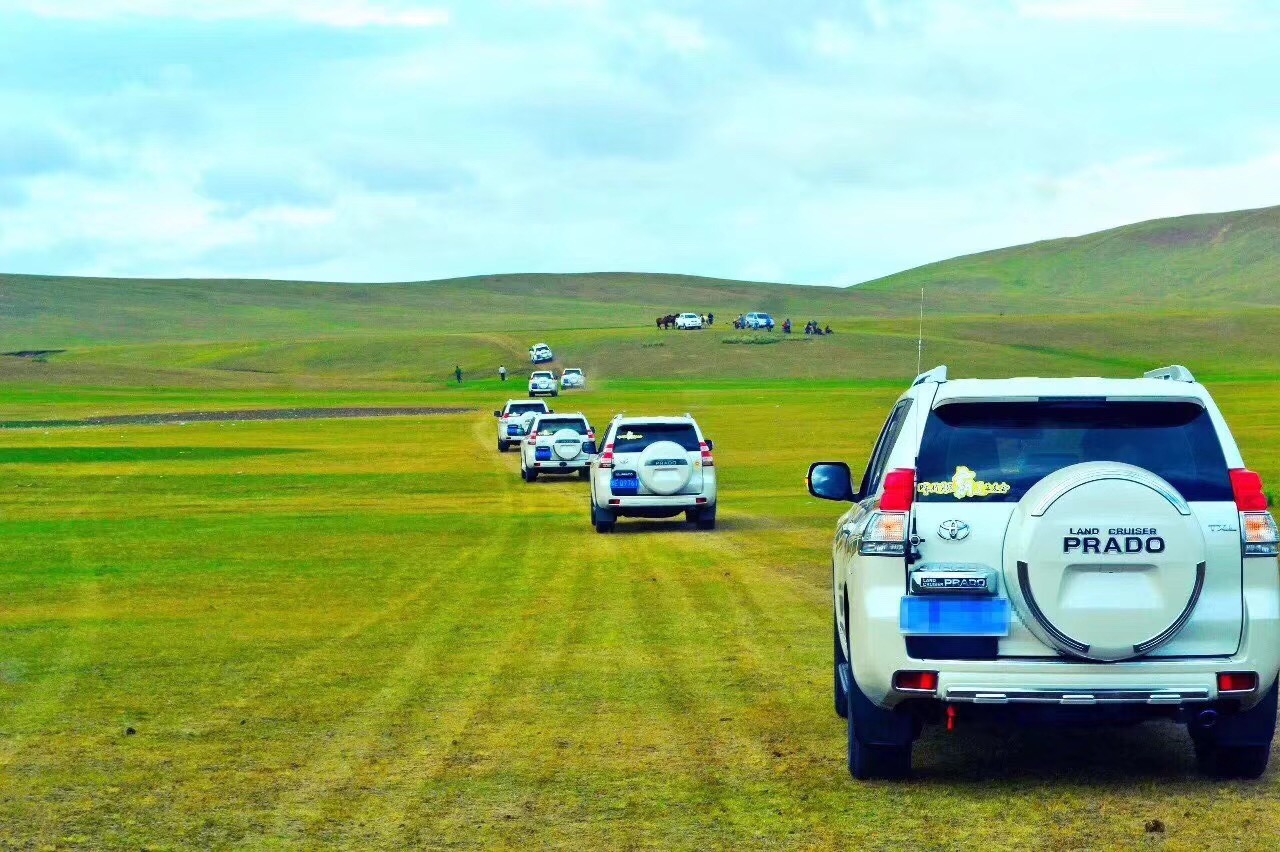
[
  {"x": 921, "y": 616},
  {"x": 542, "y": 453},
  {"x": 514, "y": 430},
  {"x": 625, "y": 484}
]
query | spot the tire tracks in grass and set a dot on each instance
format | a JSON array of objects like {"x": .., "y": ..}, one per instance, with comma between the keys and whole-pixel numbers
[{"x": 353, "y": 771}]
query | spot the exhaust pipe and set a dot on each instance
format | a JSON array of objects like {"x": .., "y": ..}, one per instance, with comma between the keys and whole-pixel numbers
[{"x": 1207, "y": 718}]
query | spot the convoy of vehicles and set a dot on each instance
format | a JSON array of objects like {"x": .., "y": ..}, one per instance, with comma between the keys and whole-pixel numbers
[
  {"x": 557, "y": 444},
  {"x": 543, "y": 383},
  {"x": 1054, "y": 550}
]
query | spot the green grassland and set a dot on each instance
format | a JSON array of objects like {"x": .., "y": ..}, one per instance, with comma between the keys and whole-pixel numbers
[{"x": 371, "y": 634}]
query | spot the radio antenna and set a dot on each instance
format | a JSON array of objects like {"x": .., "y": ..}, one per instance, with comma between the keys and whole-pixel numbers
[{"x": 920, "y": 337}]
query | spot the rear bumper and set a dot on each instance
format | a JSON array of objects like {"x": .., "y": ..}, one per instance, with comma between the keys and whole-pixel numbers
[
  {"x": 656, "y": 507},
  {"x": 559, "y": 465}
]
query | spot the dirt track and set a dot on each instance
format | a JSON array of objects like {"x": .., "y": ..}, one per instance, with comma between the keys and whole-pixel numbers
[{"x": 243, "y": 416}]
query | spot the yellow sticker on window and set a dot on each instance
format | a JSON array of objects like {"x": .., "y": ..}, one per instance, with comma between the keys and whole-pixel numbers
[{"x": 964, "y": 484}]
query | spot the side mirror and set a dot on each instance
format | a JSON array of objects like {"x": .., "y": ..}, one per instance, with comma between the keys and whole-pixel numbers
[
  {"x": 497, "y": 414},
  {"x": 831, "y": 481},
  {"x": 711, "y": 445},
  {"x": 590, "y": 447},
  {"x": 551, "y": 411}
]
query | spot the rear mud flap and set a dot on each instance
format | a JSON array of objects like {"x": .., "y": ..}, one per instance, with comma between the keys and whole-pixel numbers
[{"x": 874, "y": 725}]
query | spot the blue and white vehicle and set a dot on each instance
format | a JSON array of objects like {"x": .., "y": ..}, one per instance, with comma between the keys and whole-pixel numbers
[
  {"x": 543, "y": 383},
  {"x": 572, "y": 377},
  {"x": 540, "y": 353},
  {"x": 758, "y": 320},
  {"x": 515, "y": 419},
  {"x": 1055, "y": 550}
]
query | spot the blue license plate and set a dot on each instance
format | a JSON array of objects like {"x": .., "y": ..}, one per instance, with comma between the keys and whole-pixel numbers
[
  {"x": 542, "y": 453},
  {"x": 625, "y": 484},
  {"x": 954, "y": 616},
  {"x": 514, "y": 430}
]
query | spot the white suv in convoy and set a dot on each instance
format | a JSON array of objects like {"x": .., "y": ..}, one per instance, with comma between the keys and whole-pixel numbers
[
  {"x": 514, "y": 420},
  {"x": 758, "y": 321},
  {"x": 572, "y": 377},
  {"x": 689, "y": 321},
  {"x": 1055, "y": 550},
  {"x": 653, "y": 467},
  {"x": 557, "y": 443},
  {"x": 543, "y": 383},
  {"x": 540, "y": 353}
]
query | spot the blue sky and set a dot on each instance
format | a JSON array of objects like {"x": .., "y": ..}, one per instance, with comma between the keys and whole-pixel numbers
[{"x": 813, "y": 142}]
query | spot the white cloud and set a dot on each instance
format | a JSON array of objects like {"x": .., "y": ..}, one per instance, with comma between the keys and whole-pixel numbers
[
  {"x": 1180, "y": 12},
  {"x": 678, "y": 34},
  {"x": 346, "y": 14}
]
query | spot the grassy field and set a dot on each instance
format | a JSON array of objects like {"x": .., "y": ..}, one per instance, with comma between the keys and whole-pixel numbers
[{"x": 372, "y": 634}]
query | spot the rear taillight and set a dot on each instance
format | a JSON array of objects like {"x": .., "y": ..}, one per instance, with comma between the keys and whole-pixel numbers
[
  {"x": 606, "y": 458},
  {"x": 1237, "y": 681},
  {"x": 1258, "y": 534},
  {"x": 885, "y": 535},
  {"x": 1247, "y": 487},
  {"x": 917, "y": 681},
  {"x": 899, "y": 490},
  {"x": 707, "y": 459},
  {"x": 533, "y": 437}
]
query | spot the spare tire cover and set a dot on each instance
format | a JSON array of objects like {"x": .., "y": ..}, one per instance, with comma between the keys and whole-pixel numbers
[
  {"x": 1104, "y": 561},
  {"x": 566, "y": 444},
  {"x": 664, "y": 467}
]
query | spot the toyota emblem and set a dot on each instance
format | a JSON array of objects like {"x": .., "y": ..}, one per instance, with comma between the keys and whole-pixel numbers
[{"x": 953, "y": 530}]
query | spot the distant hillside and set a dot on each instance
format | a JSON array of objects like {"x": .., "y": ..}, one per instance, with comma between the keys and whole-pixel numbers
[
  {"x": 1214, "y": 260},
  {"x": 1221, "y": 261}
]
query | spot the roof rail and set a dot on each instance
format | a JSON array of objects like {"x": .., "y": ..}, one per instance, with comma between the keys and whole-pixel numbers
[
  {"x": 937, "y": 375},
  {"x": 1172, "y": 373}
]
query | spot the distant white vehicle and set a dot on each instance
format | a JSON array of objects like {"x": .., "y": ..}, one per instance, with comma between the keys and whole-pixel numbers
[
  {"x": 543, "y": 383},
  {"x": 514, "y": 420},
  {"x": 540, "y": 353},
  {"x": 758, "y": 320},
  {"x": 689, "y": 321},
  {"x": 572, "y": 377}
]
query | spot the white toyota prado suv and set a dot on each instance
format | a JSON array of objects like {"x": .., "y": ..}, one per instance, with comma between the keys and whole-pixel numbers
[
  {"x": 653, "y": 467},
  {"x": 557, "y": 443},
  {"x": 515, "y": 418},
  {"x": 1055, "y": 551},
  {"x": 543, "y": 383}
]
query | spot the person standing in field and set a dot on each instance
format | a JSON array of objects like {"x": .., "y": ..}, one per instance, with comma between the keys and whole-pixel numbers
[
  {"x": 457, "y": 372},
  {"x": 502, "y": 372}
]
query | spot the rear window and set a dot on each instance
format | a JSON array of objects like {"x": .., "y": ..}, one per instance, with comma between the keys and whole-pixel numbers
[
  {"x": 526, "y": 407},
  {"x": 995, "y": 451},
  {"x": 636, "y": 437},
  {"x": 555, "y": 424}
]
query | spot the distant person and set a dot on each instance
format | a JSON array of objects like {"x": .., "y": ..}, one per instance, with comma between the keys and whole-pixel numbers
[
  {"x": 502, "y": 372},
  {"x": 828, "y": 331},
  {"x": 711, "y": 319},
  {"x": 786, "y": 325},
  {"x": 457, "y": 372}
]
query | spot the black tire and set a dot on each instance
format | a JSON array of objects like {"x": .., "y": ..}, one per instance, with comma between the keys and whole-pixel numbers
[
  {"x": 707, "y": 519},
  {"x": 603, "y": 520},
  {"x": 503, "y": 446},
  {"x": 529, "y": 474},
  {"x": 690, "y": 516},
  {"x": 584, "y": 473},
  {"x": 841, "y": 697},
  {"x": 1238, "y": 745},
  {"x": 868, "y": 762},
  {"x": 1219, "y": 761}
]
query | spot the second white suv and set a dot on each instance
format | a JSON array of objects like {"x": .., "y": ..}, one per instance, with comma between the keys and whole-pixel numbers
[
  {"x": 557, "y": 443},
  {"x": 543, "y": 383},
  {"x": 689, "y": 321},
  {"x": 1076, "y": 551},
  {"x": 653, "y": 467}
]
